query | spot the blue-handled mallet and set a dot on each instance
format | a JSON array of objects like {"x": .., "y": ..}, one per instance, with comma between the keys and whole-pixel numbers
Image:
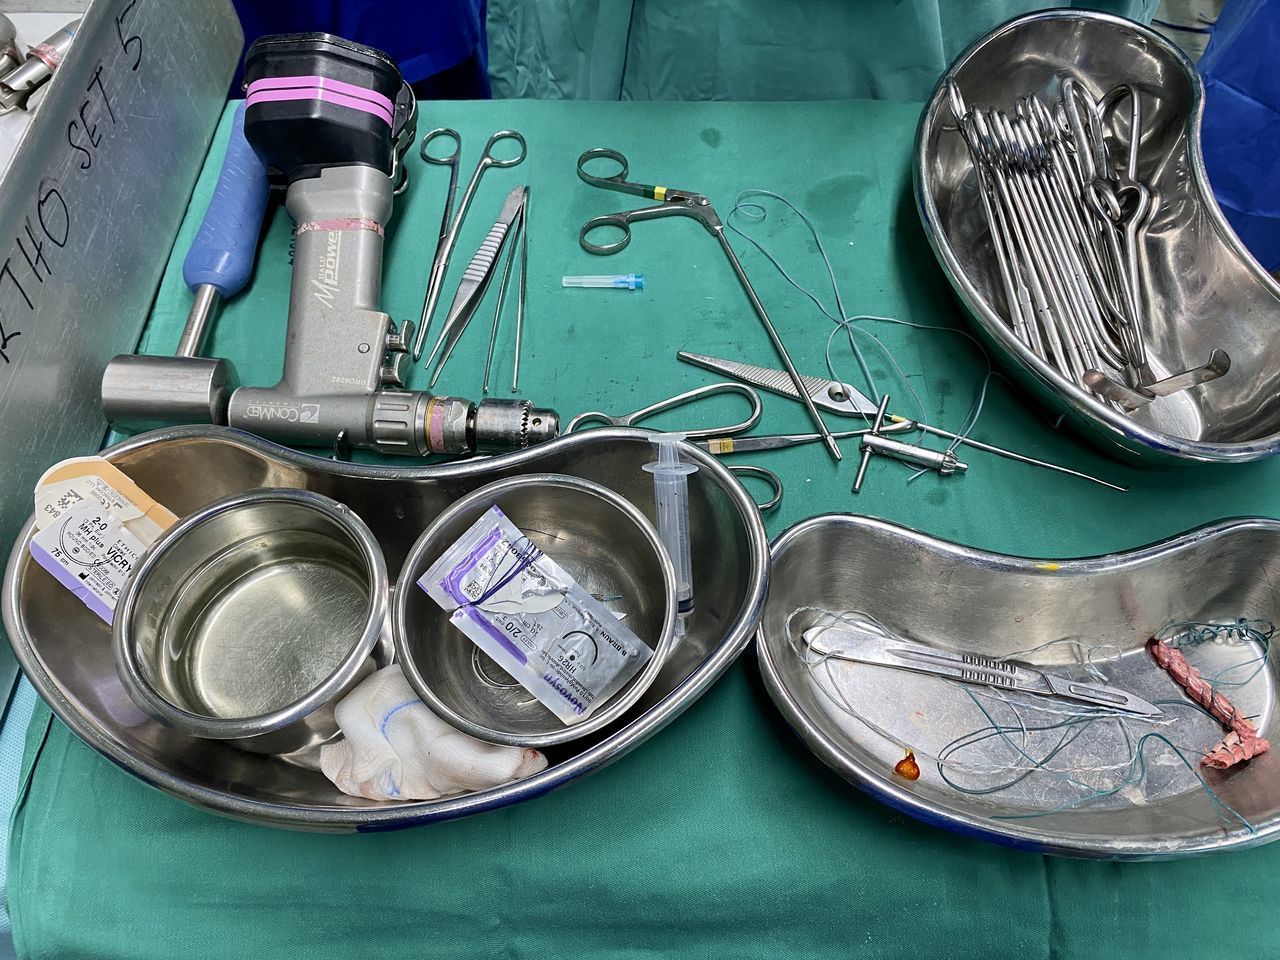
[{"x": 141, "y": 392}]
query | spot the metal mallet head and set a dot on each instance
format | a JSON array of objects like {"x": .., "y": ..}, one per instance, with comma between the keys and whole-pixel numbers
[{"x": 144, "y": 392}]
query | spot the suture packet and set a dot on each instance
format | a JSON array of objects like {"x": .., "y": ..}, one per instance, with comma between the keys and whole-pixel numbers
[
  {"x": 92, "y": 526},
  {"x": 522, "y": 609}
]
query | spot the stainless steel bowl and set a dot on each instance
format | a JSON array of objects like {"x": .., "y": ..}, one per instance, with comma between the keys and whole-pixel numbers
[
  {"x": 600, "y": 539},
  {"x": 1203, "y": 289},
  {"x": 249, "y": 619},
  {"x": 65, "y": 649},
  {"x": 970, "y": 600}
]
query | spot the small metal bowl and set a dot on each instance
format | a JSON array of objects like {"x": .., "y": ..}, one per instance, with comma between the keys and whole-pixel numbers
[
  {"x": 251, "y": 617},
  {"x": 600, "y": 539}
]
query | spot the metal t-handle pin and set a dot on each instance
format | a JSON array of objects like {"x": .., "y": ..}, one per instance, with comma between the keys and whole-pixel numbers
[
  {"x": 945, "y": 462},
  {"x": 866, "y": 450}
]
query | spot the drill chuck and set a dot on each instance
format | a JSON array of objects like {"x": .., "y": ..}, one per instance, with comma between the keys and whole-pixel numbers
[{"x": 416, "y": 424}]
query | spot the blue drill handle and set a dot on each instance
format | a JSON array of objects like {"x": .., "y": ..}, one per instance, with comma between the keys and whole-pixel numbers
[{"x": 223, "y": 250}]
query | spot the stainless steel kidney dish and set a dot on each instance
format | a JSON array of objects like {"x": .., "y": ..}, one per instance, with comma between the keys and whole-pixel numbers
[
  {"x": 1202, "y": 289},
  {"x": 598, "y": 538},
  {"x": 65, "y": 649},
  {"x": 972, "y": 602},
  {"x": 251, "y": 617}
]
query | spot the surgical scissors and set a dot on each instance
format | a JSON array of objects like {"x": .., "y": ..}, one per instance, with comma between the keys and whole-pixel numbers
[
  {"x": 449, "y": 235},
  {"x": 684, "y": 203},
  {"x": 451, "y": 161},
  {"x": 699, "y": 434}
]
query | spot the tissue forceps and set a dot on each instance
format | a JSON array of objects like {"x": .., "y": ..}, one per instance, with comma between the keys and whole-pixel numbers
[
  {"x": 476, "y": 278},
  {"x": 449, "y": 236},
  {"x": 684, "y": 203}
]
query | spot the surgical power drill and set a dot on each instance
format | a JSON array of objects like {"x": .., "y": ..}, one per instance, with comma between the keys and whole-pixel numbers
[{"x": 332, "y": 119}]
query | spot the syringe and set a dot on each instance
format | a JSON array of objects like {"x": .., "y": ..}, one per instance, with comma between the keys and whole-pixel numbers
[{"x": 671, "y": 498}]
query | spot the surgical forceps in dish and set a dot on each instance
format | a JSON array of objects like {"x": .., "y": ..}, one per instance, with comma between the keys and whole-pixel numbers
[
  {"x": 451, "y": 227},
  {"x": 683, "y": 203},
  {"x": 698, "y": 434}
]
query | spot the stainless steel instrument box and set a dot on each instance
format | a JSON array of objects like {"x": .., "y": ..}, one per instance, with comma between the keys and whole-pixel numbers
[{"x": 89, "y": 209}]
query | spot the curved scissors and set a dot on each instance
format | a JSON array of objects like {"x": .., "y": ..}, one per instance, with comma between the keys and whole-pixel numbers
[
  {"x": 681, "y": 400},
  {"x": 675, "y": 203},
  {"x": 692, "y": 396},
  {"x": 451, "y": 161},
  {"x": 449, "y": 236},
  {"x": 768, "y": 476}
]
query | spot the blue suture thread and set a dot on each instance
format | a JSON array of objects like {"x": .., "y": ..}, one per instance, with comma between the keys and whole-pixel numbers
[
  {"x": 1075, "y": 727},
  {"x": 1187, "y": 633},
  {"x": 1139, "y": 769},
  {"x": 1180, "y": 633},
  {"x": 526, "y": 554},
  {"x": 748, "y": 209}
]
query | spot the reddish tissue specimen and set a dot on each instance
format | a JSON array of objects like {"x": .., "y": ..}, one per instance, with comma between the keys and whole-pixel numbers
[
  {"x": 1243, "y": 742},
  {"x": 907, "y": 768},
  {"x": 1235, "y": 749}
]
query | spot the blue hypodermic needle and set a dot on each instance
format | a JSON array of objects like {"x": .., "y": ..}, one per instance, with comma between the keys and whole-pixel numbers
[{"x": 624, "y": 281}]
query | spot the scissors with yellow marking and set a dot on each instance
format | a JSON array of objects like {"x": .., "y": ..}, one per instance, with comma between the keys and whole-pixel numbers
[
  {"x": 673, "y": 202},
  {"x": 699, "y": 436}
]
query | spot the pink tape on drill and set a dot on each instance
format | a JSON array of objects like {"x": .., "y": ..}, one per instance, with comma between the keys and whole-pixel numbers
[
  {"x": 341, "y": 223},
  {"x": 283, "y": 89},
  {"x": 48, "y": 54},
  {"x": 435, "y": 426},
  {"x": 271, "y": 96},
  {"x": 324, "y": 83}
]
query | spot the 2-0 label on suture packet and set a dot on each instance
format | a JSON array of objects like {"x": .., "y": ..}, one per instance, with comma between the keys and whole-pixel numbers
[
  {"x": 92, "y": 526},
  {"x": 522, "y": 609}
]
